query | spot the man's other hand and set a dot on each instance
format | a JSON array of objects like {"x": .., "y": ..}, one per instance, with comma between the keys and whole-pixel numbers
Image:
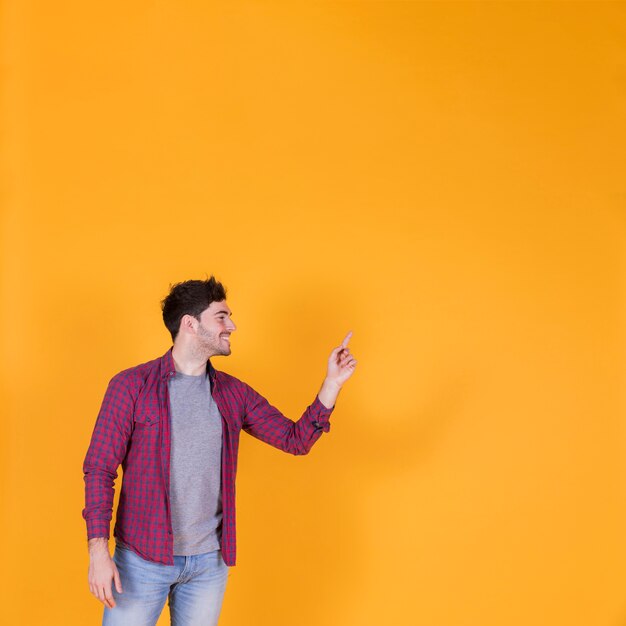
[{"x": 102, "y": 570}]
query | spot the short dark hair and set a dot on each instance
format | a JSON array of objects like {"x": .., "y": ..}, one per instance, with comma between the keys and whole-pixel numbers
[{"x": 191, "y": 297}]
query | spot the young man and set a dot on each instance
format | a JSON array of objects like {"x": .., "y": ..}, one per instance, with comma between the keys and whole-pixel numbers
[{"x": 174, "y": 424}]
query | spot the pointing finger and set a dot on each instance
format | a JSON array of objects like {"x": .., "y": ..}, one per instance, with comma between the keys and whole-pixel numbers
[{"x": 344, "y": 343}]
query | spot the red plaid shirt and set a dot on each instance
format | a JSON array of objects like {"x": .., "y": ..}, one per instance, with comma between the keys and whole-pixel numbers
[{"x": 133, "y": 429}]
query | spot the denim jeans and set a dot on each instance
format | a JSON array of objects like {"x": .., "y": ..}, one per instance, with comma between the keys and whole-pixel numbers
[{"x": 194, "y": 586}]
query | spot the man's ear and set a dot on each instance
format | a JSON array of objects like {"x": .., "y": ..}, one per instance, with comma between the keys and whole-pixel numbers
[{"x": 188, "y": 323}]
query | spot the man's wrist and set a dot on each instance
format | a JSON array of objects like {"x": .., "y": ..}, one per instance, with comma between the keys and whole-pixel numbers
[
  {"x": 98, "y": 546},
  {"x": 329, "y": 392}
]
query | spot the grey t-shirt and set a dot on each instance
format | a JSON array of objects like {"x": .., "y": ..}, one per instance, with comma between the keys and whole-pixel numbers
[{"x": 195, "y": 465}]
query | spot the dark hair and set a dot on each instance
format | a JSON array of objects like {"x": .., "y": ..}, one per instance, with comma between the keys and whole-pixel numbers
[{"x": 191, "y": 297}]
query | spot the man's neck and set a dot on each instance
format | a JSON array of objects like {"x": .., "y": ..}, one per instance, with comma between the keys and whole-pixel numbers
[{"x": 186, "y": 362}]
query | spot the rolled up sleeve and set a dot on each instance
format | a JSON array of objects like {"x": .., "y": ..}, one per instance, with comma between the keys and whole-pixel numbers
[
  {"x": 106, "y": 451},
  {"x": 267, "y": 423}
]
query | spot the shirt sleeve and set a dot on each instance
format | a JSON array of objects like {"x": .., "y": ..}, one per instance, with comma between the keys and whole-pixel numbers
[
  {"x": 267, "y": 423},
  {"x": 106, "y": 451}
]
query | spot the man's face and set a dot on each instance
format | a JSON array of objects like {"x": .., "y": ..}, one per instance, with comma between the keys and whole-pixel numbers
[{"x": 215, "y": 328}]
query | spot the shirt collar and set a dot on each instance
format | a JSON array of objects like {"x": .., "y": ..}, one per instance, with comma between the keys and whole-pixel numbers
[{"x": 168, "y": 368}]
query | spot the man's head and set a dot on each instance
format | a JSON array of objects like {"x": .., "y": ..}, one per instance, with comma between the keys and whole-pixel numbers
[{"x": 196, "y": 311}]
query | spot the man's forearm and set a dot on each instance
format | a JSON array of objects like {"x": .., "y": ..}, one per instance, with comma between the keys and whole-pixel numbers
[{"x": 328, "y": 393}]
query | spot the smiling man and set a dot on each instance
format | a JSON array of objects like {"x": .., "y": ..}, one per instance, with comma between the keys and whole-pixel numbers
[{"x": 173, "y": 424}]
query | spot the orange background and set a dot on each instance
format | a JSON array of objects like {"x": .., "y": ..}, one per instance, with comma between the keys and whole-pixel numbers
[{"x": 447, "y": 180}]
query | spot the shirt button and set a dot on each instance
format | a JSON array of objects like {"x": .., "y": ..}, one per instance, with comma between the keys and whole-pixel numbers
[{"x": 148, "y": 419}]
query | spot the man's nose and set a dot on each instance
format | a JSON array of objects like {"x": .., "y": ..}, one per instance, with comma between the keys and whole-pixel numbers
[{"x": 232, "y": 326}]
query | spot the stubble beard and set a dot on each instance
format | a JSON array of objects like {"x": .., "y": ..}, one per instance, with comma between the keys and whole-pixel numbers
[{"x": 210, "y": 345}]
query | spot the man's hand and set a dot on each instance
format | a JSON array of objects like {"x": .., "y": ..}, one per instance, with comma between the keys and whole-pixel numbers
[
  {"x": 102, "y": 570},
  {"x": 341, "y": 365}
]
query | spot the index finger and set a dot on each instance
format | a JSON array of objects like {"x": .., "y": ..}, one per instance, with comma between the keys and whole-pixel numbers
[{"x": 344, "y": 343}]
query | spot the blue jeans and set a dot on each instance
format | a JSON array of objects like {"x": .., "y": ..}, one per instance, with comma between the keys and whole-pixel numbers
[{"x": 194, "y": 586}]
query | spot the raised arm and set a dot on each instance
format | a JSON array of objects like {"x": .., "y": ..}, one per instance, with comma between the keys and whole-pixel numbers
[{"x": 267, "y": 423}]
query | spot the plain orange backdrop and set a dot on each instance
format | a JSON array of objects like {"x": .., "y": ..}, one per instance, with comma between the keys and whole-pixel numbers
[{"x": 445, "y": 179}]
